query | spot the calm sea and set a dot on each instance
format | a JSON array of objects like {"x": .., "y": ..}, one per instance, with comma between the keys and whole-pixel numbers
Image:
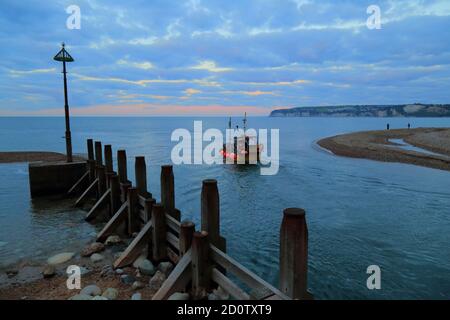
[{"x": 359, "y": 212}]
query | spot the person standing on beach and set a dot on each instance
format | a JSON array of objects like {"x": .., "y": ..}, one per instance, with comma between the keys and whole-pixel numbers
[
  {"x": 387, "y": 126},
  {"x": 409, "y": 125}
]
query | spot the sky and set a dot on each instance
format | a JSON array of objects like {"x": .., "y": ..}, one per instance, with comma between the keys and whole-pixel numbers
[{"x": 199, "y": 57}]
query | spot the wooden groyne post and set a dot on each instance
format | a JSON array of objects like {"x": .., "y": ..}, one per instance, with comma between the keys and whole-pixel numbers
[
  {"x": 98, "y": 153},
  {"x": 168, "y": 191},
  {"x": 294, "y": 254},
  {"x": 210, "y": 212},
  {"x": 108, "y": 158}
]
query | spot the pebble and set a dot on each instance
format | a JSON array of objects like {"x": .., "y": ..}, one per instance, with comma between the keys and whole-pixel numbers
[
  {"x": 179, "y": 296},
  {"x": 220, "y": 294},
  {"x": 97, "y": 257},
  {"x": 112, "y": 240},
  {"x": 138, "y": 285},
  {"x": 136, "y": 296},
  {"x": 146, "y": 267},
  {"x": 166, "y": 268},
  {"x": 92, "y": 248},
  {"x": 106, "y": 270},
  {"x": 91, "y": 290},
  {"x": 81, "y": 297},
  {"x": 60, "y": 258},
  {"x": 84, "y": 271},
  {"x": 12, "y": 272},
  {"x": 138, "y": 261},
  {"x": 157, "y": 280},
  {"x": 119, "y": 271},
  {"x": 111, "y": 294},
  {"x": 127, "y": 279},
  {"x": 49, "y": 271},
  {"x": 99, "y": 298}
]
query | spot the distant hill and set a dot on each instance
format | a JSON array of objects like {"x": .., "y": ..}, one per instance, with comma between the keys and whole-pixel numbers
[{"x": 403, "y": 110}]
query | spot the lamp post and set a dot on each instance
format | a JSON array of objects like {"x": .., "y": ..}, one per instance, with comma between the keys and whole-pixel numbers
[{"x": 64, "y": 56}]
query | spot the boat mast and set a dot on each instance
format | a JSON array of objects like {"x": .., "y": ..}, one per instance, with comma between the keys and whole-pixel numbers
[
  {"x": 229, "y": 134},
  {"x": 245, "y": 122}
]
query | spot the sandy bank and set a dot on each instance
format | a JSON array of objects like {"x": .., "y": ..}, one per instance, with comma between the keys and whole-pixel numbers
[
  {"x": 32, "y": 156},
  {"x": 375, "y": 145}
]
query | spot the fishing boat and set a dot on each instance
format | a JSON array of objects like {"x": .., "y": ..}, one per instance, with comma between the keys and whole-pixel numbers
[{"x": 241, "y": 147}]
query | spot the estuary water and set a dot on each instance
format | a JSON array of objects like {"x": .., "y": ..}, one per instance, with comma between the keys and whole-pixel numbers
[{"x": 359, "y": 212}]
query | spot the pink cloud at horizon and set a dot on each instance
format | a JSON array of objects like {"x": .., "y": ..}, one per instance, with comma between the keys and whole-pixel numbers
[{"x": 149, "y": 110}]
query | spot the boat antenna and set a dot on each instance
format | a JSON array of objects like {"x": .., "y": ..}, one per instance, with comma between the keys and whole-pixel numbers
[
  {"x": 245, "y": 122},
  {"x": 229, "y": 134}
]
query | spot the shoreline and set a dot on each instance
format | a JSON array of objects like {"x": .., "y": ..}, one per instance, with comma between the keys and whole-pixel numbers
[{"x": 375, "y": 145}]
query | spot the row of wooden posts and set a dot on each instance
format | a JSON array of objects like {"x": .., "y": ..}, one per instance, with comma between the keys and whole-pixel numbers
[{"x": 200, "y": 256}]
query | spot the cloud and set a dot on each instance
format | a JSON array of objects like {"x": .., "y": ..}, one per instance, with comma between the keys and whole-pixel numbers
[
  {"x": 145, "y": 65},
  {"x": 191, "y": 91},
  {"x": 34, "y": 71},
  {"x": 251, "y": 93},
  {"x": 142, "y": 109},
  {"x": 210, "y": 66}
]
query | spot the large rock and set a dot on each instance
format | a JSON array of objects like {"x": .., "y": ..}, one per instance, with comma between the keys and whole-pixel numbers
[
  {"x": 157, "y": 281},
  {"x": 179, "y": 296},
  {"x": 91, "y": 290},
  {"x": 60, "y": 258},
  {"x": 97, "y": 257},
  {"x": 146, "y": 267},
  {"x": 92, "y": 248},
  {"x": 111, "y": 294},
  {"x": 49, "y": 271},
  {"x": 166, "y": 268},
  {"x": 112, "y": 240}
]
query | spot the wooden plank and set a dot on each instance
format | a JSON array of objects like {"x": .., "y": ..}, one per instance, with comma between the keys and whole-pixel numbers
[
  {"x": 120, "y": 216},
  {"x": 228, "y": 285},
  {"x": 93, "y": 213},
  {"x": 142, "y": 199},
  {"x": 172, "y": 255},
  {"x": 133, "y": 251},
  {"x": 86, "y": 192},
  {"x": 173, "y": 240},
  {"x": 178, "y": 279},
  {"x": 245, "y": 275},
  {"x": 79, "y": 182},
  {"x": 173, "y": 223}
]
